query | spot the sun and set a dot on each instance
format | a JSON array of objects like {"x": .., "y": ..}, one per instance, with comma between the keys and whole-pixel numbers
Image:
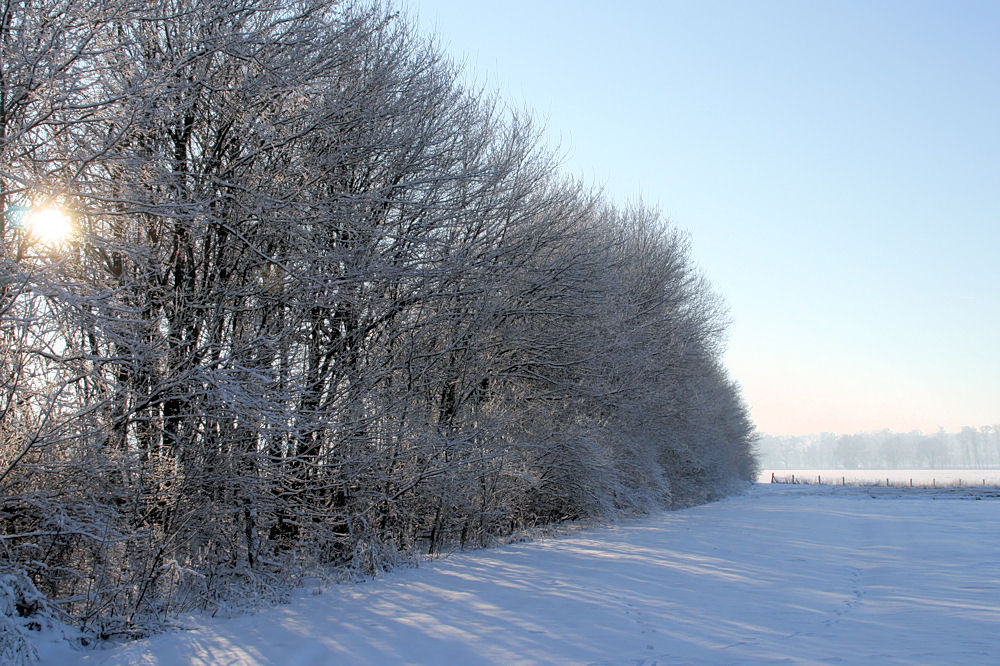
[{"x": 50, "y": 225}]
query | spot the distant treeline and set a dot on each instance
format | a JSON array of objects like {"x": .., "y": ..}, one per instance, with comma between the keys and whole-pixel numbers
[
  {"x": 324, "y": 304},
  {"x": 970, "y": 448}
]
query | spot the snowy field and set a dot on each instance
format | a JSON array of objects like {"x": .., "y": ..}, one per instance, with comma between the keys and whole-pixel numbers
[
  {"x": 895, "y": 477},
  {"x": 797, "y": 574}
]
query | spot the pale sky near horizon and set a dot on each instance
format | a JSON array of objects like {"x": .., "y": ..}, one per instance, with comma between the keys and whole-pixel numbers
[{"x": 837, "y": 165}]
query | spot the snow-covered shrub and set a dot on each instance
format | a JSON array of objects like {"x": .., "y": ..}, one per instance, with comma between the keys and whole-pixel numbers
[{"x": 23, "y": 610}]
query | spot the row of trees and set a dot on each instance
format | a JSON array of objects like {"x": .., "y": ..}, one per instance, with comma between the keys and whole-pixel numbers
[
  {"x": 969, "y": 448},
  {"x": 323, "y": 304}
]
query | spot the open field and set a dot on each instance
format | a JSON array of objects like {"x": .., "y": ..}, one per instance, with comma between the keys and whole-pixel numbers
[{"x": 785, "y": 573}]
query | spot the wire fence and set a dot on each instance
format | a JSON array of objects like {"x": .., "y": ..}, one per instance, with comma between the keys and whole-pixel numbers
[{"x": 886, "y": 482}]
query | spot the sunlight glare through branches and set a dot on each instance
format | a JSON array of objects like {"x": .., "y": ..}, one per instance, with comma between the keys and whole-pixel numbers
[{"x": 50, "y": 225}]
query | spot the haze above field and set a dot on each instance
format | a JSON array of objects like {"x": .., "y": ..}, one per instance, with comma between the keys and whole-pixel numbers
[
  {"x": 834, "y": 163},
  {"x": 969, "y": 449}
]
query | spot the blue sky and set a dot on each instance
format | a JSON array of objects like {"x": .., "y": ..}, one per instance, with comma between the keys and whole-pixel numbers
[{"x": 837, "y": 165}]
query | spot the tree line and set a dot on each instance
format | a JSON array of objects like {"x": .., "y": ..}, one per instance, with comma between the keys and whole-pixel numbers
[
  {"x": 324, "y": 304},
  {"x": 969, "y": 448}
]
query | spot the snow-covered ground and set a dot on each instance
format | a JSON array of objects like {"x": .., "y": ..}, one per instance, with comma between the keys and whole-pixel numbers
[{"x": 800, "y": 574}]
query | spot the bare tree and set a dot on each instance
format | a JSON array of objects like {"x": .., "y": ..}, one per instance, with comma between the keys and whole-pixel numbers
[{"x": 324, "y": 305}]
